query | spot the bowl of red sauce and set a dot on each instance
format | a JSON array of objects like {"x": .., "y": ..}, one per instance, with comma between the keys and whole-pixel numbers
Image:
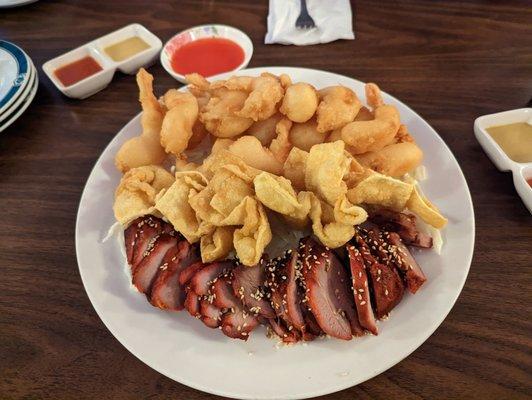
[{"x": 207, "y": 50}]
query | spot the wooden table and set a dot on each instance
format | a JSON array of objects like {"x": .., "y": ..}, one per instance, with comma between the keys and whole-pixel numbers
[{"x": 450, "y": 60}]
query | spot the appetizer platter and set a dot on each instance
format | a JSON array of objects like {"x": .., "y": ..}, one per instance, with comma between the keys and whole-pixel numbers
[{"x": 275, "y": 223}]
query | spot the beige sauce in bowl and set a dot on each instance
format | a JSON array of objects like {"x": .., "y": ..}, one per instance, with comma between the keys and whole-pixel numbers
[{"x": 514, "y": 139}]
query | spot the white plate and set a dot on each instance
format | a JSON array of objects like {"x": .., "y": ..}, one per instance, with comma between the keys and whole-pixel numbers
[
  {"x": 17, "y": 113},
  {"x": 14, "y": 73},
  {"x": 15, "y": 3},
  {"x": 183, "y": 349},
  {"x": 22, "y": 97}
]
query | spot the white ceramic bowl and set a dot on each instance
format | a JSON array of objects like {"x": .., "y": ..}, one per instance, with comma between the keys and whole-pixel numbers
[
  {"x": 521, "y": 171},
  {"x": 94, "y": 83},
  {"x": 202, "y": 32}
]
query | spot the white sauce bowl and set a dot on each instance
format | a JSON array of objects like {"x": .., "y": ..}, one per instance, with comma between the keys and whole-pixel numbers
[{"x": 521, "y": 171}]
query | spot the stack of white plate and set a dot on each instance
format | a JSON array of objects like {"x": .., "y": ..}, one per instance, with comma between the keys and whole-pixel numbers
[{"x": 18, "y": 83}]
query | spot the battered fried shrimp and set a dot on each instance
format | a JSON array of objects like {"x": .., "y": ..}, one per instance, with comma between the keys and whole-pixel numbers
[
  {"x": 300, "y": 102},
  {"x": 364, "y": 136},
  {"x": 373, "y": 95},
  {"x": 145, "y": 149},
  {"x": 394, "y": 160},
  {"x": 338, "y": 106},
  {"x": 265, "y": 130},
  {"x": 363, "y": 115},
  {"x": 281, "y": 146},
  {"x": 306, "y": 135},
  {"x": 219, "y": 115},
  {"x": 266, "y": 93},
  {"x": 182, "y": 113},
  {"x": 197, "y": 82},
  {"x": 234, "y": 83},
  {"x": 249, "y": 149},
  {"x": 403, "y": 135},
  {"x": 285, "y": 80}
]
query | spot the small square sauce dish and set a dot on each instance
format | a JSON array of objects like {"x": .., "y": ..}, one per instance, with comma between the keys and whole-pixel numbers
[
  {"x": 84, "y": 71},
  {"x": 506, "y": 137}
]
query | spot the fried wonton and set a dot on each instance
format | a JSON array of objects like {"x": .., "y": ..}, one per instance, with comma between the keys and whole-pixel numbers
[
  {"x": 427, "y": 211},
  {"x": 174, "y": 205},
  {"x": 294, "y": 167},
  {"x": 325, "y": 169},
  {"x": 378, "y": 189},
  {"x": 138, "y": 190},
  {"x": 217, "y": 245}
]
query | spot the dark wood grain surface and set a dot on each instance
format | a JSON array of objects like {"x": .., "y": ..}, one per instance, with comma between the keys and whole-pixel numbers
[{"x": 452, "y": 61}]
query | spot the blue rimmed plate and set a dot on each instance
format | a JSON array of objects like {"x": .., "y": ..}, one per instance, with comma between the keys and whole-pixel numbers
[{"x": 14, "y": 73}]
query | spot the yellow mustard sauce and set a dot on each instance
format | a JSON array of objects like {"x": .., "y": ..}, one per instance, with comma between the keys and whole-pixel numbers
[
  {"x": 126, "y": 48},
  {"x": 515, "y": 140}
]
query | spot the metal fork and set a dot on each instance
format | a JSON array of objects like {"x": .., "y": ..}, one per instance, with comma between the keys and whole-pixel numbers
[{"x": 304, "y": 21}]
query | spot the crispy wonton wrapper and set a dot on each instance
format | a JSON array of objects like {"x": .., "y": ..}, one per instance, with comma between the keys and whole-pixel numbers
[
  {"x": 217, "y": 245},
  {"x": 174, "y": 205},
  {"x": 226, "y": 190},
  {"x": 427, "y": 211},
  {"x": 294, "y": 167},
  {"x": 333, "y": 226},
  {"x": 138, "y": 190},
  {"x": 381, "y": 190},
  {"x": 325, "y": 169}
]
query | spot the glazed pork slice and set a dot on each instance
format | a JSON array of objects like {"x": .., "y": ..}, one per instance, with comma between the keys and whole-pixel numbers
[
  {"x": 236, "y": 322},
  {"x": 293, "y": 297},
  {"x": 361, "y": 290},
  {"x": 404, "y": 260},
  {"x": 210, "y": 314},
  {"x": 130, "y": 236},
  {"x": 166, "y": 292},
  {"x": 279, "y": 328},
  {"x": 388, "y": 288},
  {"x": 146, "y": 270},
  {"x": 386, "y": 284},
  {"x": 277, "y": 284},
  {"x": 148, "y": 231},
  {"x": 389, "y": 249},
  {"x": 186, "y": 274},
  {"x": 328, "y": 292},
  {"x": 192, "y": 304},
  {"x": 202, "y": 280},
  {"x": 404, "y": 225},
  {"x": 249, "y": 285}
]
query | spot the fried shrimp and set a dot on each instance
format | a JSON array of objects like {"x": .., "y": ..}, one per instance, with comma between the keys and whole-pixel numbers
[
  {"x": 281, "y": 146},
  {"x": 338, "y": 106},
  {"x": 363, "y": 115},
  {"x": 249, "y": 149},
  {"x": 394, "y": 160},
  {"x": 265, "y": 130},
  {"x": 373, "y": 95},
  {"x": 266, "y": 93},
  {"x": 219, "y": 114},
  {"x": 145, "y": 149},
  {"x": 300, "y": 102},
  {"x": 306, "y": 135},
  {"x": 364, "y": 136},
  {"x": 181, "y": 116}
]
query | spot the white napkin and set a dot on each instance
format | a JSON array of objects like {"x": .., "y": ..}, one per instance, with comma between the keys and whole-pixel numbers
[{"x": 332, "y": 19}]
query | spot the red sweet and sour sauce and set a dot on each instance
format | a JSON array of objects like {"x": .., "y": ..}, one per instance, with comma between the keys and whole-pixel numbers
[
  {"x": 209, "y": 56},
  {"x": 529, "y": 181},
  {"x": 78, "y": 70}
]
